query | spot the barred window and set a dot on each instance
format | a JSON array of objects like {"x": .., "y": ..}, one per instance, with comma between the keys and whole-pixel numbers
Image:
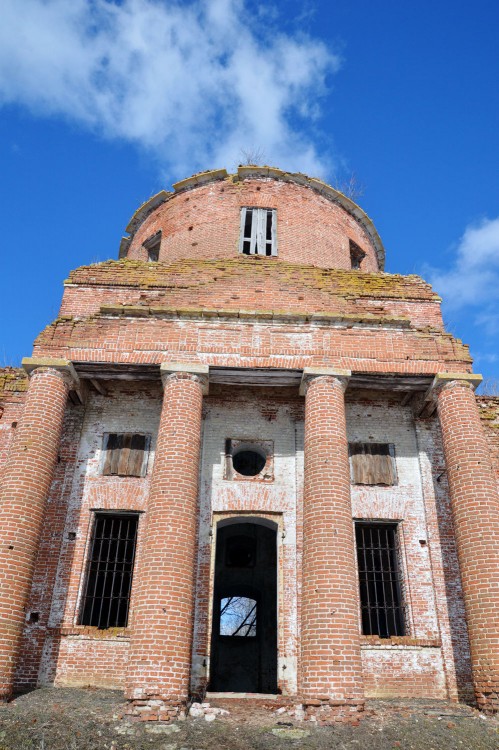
[
  {"x": 372, "y": 463},
  {"x": 110, "y": 570},
  {"x": 379, "y": 579},
  {"x": 258, "y": 231},
  {"x": 125, "y": 454}
]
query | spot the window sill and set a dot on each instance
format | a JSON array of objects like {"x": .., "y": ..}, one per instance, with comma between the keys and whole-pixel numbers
[
  {"x": 91, "y": 633},
  {"x": 405, "y": 641}
]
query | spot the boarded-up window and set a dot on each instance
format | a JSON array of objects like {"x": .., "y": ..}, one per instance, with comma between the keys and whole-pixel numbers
[
  {"x": 125, "y": 454},
  {"x": 372, "y": 463}
]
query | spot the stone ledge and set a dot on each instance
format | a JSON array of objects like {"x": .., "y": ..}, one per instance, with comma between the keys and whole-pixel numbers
[
  {"x": 191, "y": 368},
  {"x": 145, "y": 209},
  {"x": 309, "y": 373},
  {"x": 65, "y": 366},
  {"x": 87, "y": 632},
  {"x": 442, "y": 378},
  {"x": 200, "y": 179},
  {"x": 144, "y": 311},
  {"x": 405, "y": 641}
]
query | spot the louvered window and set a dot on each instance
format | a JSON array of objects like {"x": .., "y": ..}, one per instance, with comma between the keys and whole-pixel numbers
[
  {"x": 372, "y": 463},
  {"x": 125, "y": 454},
  {"x": 110, "y": 569},
  {"x": 258, "y": 231},
  {"x": 379, "y": 579}
]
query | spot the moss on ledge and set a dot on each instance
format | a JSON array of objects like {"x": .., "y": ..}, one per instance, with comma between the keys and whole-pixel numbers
[
  {"x": 191, "y": 274},
  {"x": 13, "y": 380}
]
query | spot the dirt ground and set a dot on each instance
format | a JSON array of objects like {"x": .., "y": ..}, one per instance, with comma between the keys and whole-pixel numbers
[{"x": 88, "y": 719}]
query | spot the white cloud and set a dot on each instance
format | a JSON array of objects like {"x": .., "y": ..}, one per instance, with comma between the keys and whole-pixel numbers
[
  {"x": 473, "y": 277},
  {"x": 192, "y": 81}
]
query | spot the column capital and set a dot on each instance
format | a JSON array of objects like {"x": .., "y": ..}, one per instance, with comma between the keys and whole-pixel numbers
[
  {"x": 442, "y": 379},
  {"x": 62, "y": 366},
  {"x": 198, "y": 372},
  {"x": 310, "y": 373}
]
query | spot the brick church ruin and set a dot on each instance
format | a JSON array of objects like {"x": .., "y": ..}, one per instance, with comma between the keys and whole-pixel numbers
[{"x": 244, "y": 459}]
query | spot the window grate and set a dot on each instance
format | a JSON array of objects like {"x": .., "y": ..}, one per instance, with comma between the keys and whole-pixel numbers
[
  {"x": 110, "y": 571},
  {"x": 379, "y": 580}
]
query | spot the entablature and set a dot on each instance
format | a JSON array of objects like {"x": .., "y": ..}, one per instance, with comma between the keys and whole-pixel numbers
[{"x": 254, "y": 376}]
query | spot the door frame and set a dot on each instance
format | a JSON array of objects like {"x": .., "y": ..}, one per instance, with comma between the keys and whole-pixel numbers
[{"x": 271, "y": 520}]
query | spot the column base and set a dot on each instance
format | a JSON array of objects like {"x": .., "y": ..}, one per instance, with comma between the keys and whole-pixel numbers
[
  {"x": 6, "y": 694},
  {"x": 156, "y": 708},
  {"x": 488, "y": 701}
]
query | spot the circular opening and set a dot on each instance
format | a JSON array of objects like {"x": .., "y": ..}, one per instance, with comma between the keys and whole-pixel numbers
[{"x": 248, "y": 462}]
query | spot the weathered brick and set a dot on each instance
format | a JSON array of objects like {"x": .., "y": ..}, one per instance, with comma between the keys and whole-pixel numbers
[{"x": 203, "y": 305}]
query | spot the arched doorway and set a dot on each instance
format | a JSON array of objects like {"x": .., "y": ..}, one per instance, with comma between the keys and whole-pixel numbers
[{"x": 244, "y": 631}]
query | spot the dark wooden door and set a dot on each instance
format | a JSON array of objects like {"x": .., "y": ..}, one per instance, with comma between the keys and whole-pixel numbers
[{"x": 244, "y": 634}]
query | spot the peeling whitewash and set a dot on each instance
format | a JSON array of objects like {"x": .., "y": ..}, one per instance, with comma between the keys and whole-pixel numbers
[
  {"x": 249, "y": 420},
  {"x": 418, "y": 502},
  {"x": 124, "y": 409},
  {"x": 409, "y": 502}
]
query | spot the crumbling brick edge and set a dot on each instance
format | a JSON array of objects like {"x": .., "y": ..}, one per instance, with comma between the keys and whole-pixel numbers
[{"x": 322, "y": 712}]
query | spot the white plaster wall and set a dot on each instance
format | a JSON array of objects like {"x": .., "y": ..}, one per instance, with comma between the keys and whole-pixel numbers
[
  {"x": 391, "y": 423},
  {"x": 250, "y": 420},
  {"x": 388, "y": 422}
]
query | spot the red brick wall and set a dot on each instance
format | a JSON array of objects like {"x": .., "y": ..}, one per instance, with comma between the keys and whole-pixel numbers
[
  {"x": 95, "y": 660},
  {"x": 204, "y": 222},
  {"x": 489, "y": 414},
  {"x": 404, "y": 672},
  {"x": 364, "y": 348},
  {"x": 13, "y": 386},
  {"x": 252, "y": 283}
]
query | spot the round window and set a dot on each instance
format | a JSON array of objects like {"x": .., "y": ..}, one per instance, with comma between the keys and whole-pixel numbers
[{"x": 248, "y": 462}]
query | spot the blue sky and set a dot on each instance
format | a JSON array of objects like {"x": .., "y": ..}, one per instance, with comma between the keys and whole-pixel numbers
[{"x": 104, "y": 103}]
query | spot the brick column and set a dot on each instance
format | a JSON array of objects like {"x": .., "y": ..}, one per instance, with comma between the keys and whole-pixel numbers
[
  {"x": 23, "y": 496},
  {"x": 475, "y": 509},
  {"x": 331, "y": 670},
  {"x": 163, "y": 602}
]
